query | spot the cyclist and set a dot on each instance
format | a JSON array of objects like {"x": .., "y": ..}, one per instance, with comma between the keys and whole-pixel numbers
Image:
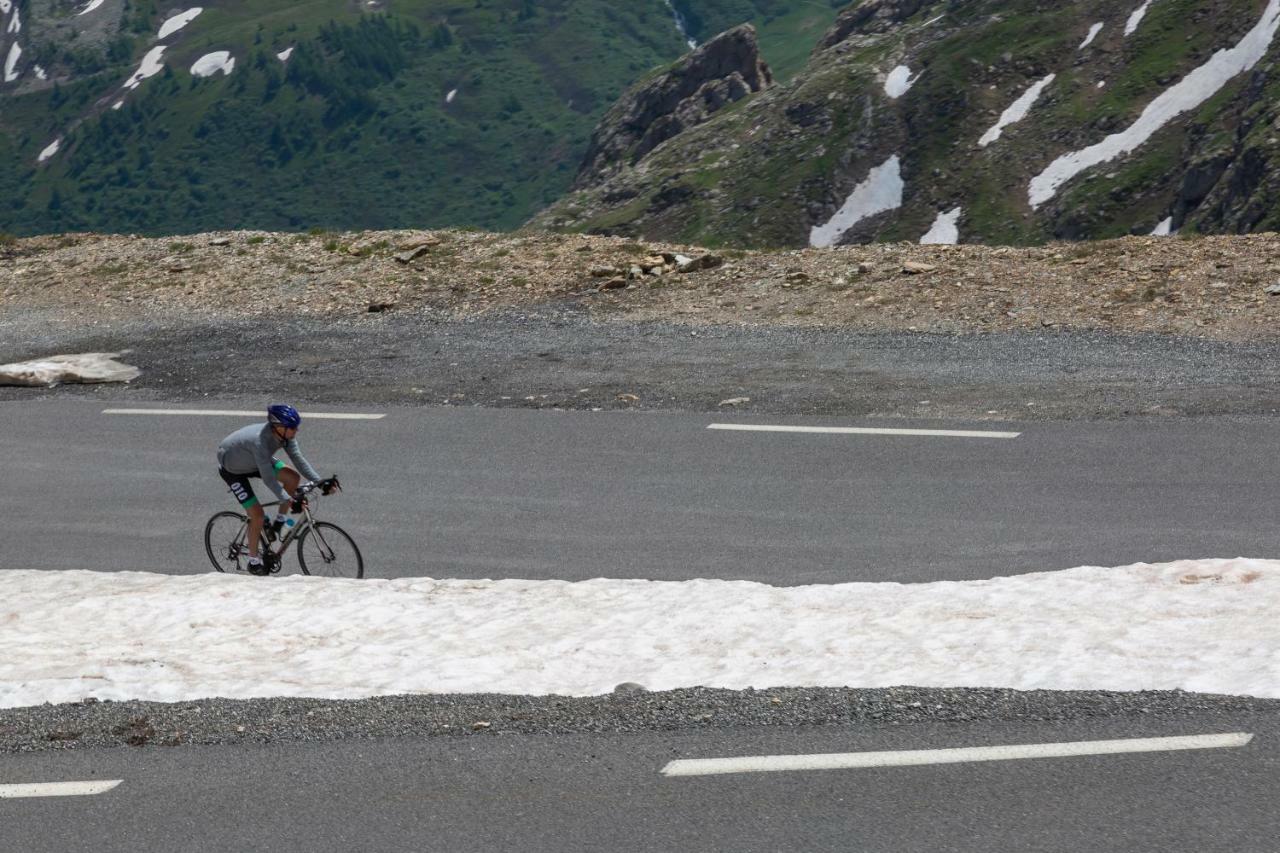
[{"x": 250, "y": 452}]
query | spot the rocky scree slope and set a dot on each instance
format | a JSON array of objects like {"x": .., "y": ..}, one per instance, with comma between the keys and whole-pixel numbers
[
  {"x": 1224, "y": 287},
  {"x": 989, "y": 121}
]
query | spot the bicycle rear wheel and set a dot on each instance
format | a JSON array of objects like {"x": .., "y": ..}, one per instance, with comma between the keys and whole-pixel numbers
[
  {"x": 226, "y": 541},
  {"x": 326, "y": 549}
]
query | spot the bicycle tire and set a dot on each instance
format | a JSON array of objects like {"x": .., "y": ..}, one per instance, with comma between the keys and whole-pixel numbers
[
  {"x": 223, "y": 556},
  {"x": 320, "y": 530}
]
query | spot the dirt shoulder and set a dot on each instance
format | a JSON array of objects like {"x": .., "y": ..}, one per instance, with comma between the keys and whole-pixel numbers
[
  {"x": 1141, "y": 327},
  {"x": 1209, "y": 287}
]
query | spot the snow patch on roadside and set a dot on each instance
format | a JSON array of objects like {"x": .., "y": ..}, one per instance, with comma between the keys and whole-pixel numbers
[
  {"x": 881, "y": 191},
  {"x": 87, "y": 367},
  {"x": 1191, "y": 91},
  {"x": 1016, "y": 112},
  {"x": 1199, "y": 625}
]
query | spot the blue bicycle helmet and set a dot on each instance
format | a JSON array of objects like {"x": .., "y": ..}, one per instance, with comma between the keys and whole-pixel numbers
[{"x": 286, "y": 416}]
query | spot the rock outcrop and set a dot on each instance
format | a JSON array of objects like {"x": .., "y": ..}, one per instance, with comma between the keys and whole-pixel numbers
[
  {"x": 873, "y": 16},
  {"x": 725, "y": 69}
]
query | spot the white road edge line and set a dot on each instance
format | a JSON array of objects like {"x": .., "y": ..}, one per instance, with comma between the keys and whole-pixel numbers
[
  {"x": 57, "y": 789},
  {"x": 906, "y": 758},
  {"x": 952, "y": 433},
  {"x": 335, "y": 416}
]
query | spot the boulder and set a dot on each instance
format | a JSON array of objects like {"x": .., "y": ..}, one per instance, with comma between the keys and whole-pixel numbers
[{"x": 870, "y": 16}]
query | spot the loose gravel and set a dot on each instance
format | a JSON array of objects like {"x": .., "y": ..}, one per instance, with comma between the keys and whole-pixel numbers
[
  {"x": 560, "y": 357},
  {"x": 219, "y": 721}
]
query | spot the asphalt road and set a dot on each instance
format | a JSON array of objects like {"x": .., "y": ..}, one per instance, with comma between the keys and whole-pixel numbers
[
  {"x": 449, "y": 492},
  {"x": 606, "y": 792}
]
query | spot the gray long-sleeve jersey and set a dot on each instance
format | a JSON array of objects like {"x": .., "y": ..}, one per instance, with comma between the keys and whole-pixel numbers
[{"x": 253, "y": 448}]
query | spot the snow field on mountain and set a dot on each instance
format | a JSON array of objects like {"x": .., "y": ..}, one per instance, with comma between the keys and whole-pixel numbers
[
  {"x": 1015, "y": 112},
  {"x": 212, "y": 63},
  {"x": 945, "y": 229},
  {"x": 1131, "y": 25},
  {"x": 881, "y": 191},
  {"x": 177, "y": 22},
  {"x": 898, "y": 81}
]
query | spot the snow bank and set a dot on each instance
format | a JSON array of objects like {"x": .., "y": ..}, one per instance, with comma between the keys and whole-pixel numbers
[
  {"x": 1164, "y": 229},
  {"x": 899, "y": 81},
  {"x": 212, "y": 63},
  {"x": 453, "y": 93},
  {"x": 1188, "y": 93},
  {"x": 88, "y": 367},
  {"x": 284, "y": 55},
  {"x": 15, "y": 23},
  {"x": 6, "y": 5},
  {"x": 881, "y": 191},
  {"x": 1202, "y": 625},
  {"x": 178, "y": 21},
  {"x": 1016, "y": 112},
  {"x": 946, "y": 228},
  {"x": 151, "y": 66},
  {"x": 49, "y": 151},
  {"x": 93, "y": 4}
]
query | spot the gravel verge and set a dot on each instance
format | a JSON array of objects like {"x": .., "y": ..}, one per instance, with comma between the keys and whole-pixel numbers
[
  {"x": 558, "y": 356},
  {"x": 218, "y": 721}
]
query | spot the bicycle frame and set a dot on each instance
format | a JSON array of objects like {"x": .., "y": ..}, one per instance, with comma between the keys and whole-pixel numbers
[{"x": 294, "y": 532}]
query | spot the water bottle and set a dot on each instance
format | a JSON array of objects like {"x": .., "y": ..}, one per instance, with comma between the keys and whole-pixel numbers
[{"x": 289, "y": 522}]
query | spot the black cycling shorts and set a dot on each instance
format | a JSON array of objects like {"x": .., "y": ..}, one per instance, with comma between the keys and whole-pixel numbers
[{"x": 240, "y": 484}]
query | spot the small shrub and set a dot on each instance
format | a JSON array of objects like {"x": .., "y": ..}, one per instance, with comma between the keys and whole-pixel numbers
[{"x": 256, "y": 239}]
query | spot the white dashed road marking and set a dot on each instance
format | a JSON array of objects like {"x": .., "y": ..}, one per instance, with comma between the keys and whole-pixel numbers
[
  {"x": 57, "y": 789},
  {"x": 906, "y": 758},
  {"x": 950, "y": 433},
  {"x": 335, "y": 416}
]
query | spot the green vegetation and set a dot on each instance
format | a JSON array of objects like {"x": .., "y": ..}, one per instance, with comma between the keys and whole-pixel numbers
[{"x": 354, "y": 131}]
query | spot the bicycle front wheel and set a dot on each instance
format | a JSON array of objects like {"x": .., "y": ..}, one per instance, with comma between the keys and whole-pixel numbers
[
  {"x": 225, "y": 541},
  {"x": 326, "y": 549}
]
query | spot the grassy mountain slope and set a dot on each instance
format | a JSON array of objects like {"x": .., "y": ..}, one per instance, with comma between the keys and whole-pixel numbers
[
  {"x": 355, "y": 130},
  {"x": 771, "y": 167}
]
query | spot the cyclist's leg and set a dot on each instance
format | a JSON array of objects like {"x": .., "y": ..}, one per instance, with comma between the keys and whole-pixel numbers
[
  {"x": 242, "y": 489},
  {"x": 288, "y": 478}
]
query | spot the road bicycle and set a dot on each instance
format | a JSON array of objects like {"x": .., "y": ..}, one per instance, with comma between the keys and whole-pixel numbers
[{"x": 324, "y": 548}]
